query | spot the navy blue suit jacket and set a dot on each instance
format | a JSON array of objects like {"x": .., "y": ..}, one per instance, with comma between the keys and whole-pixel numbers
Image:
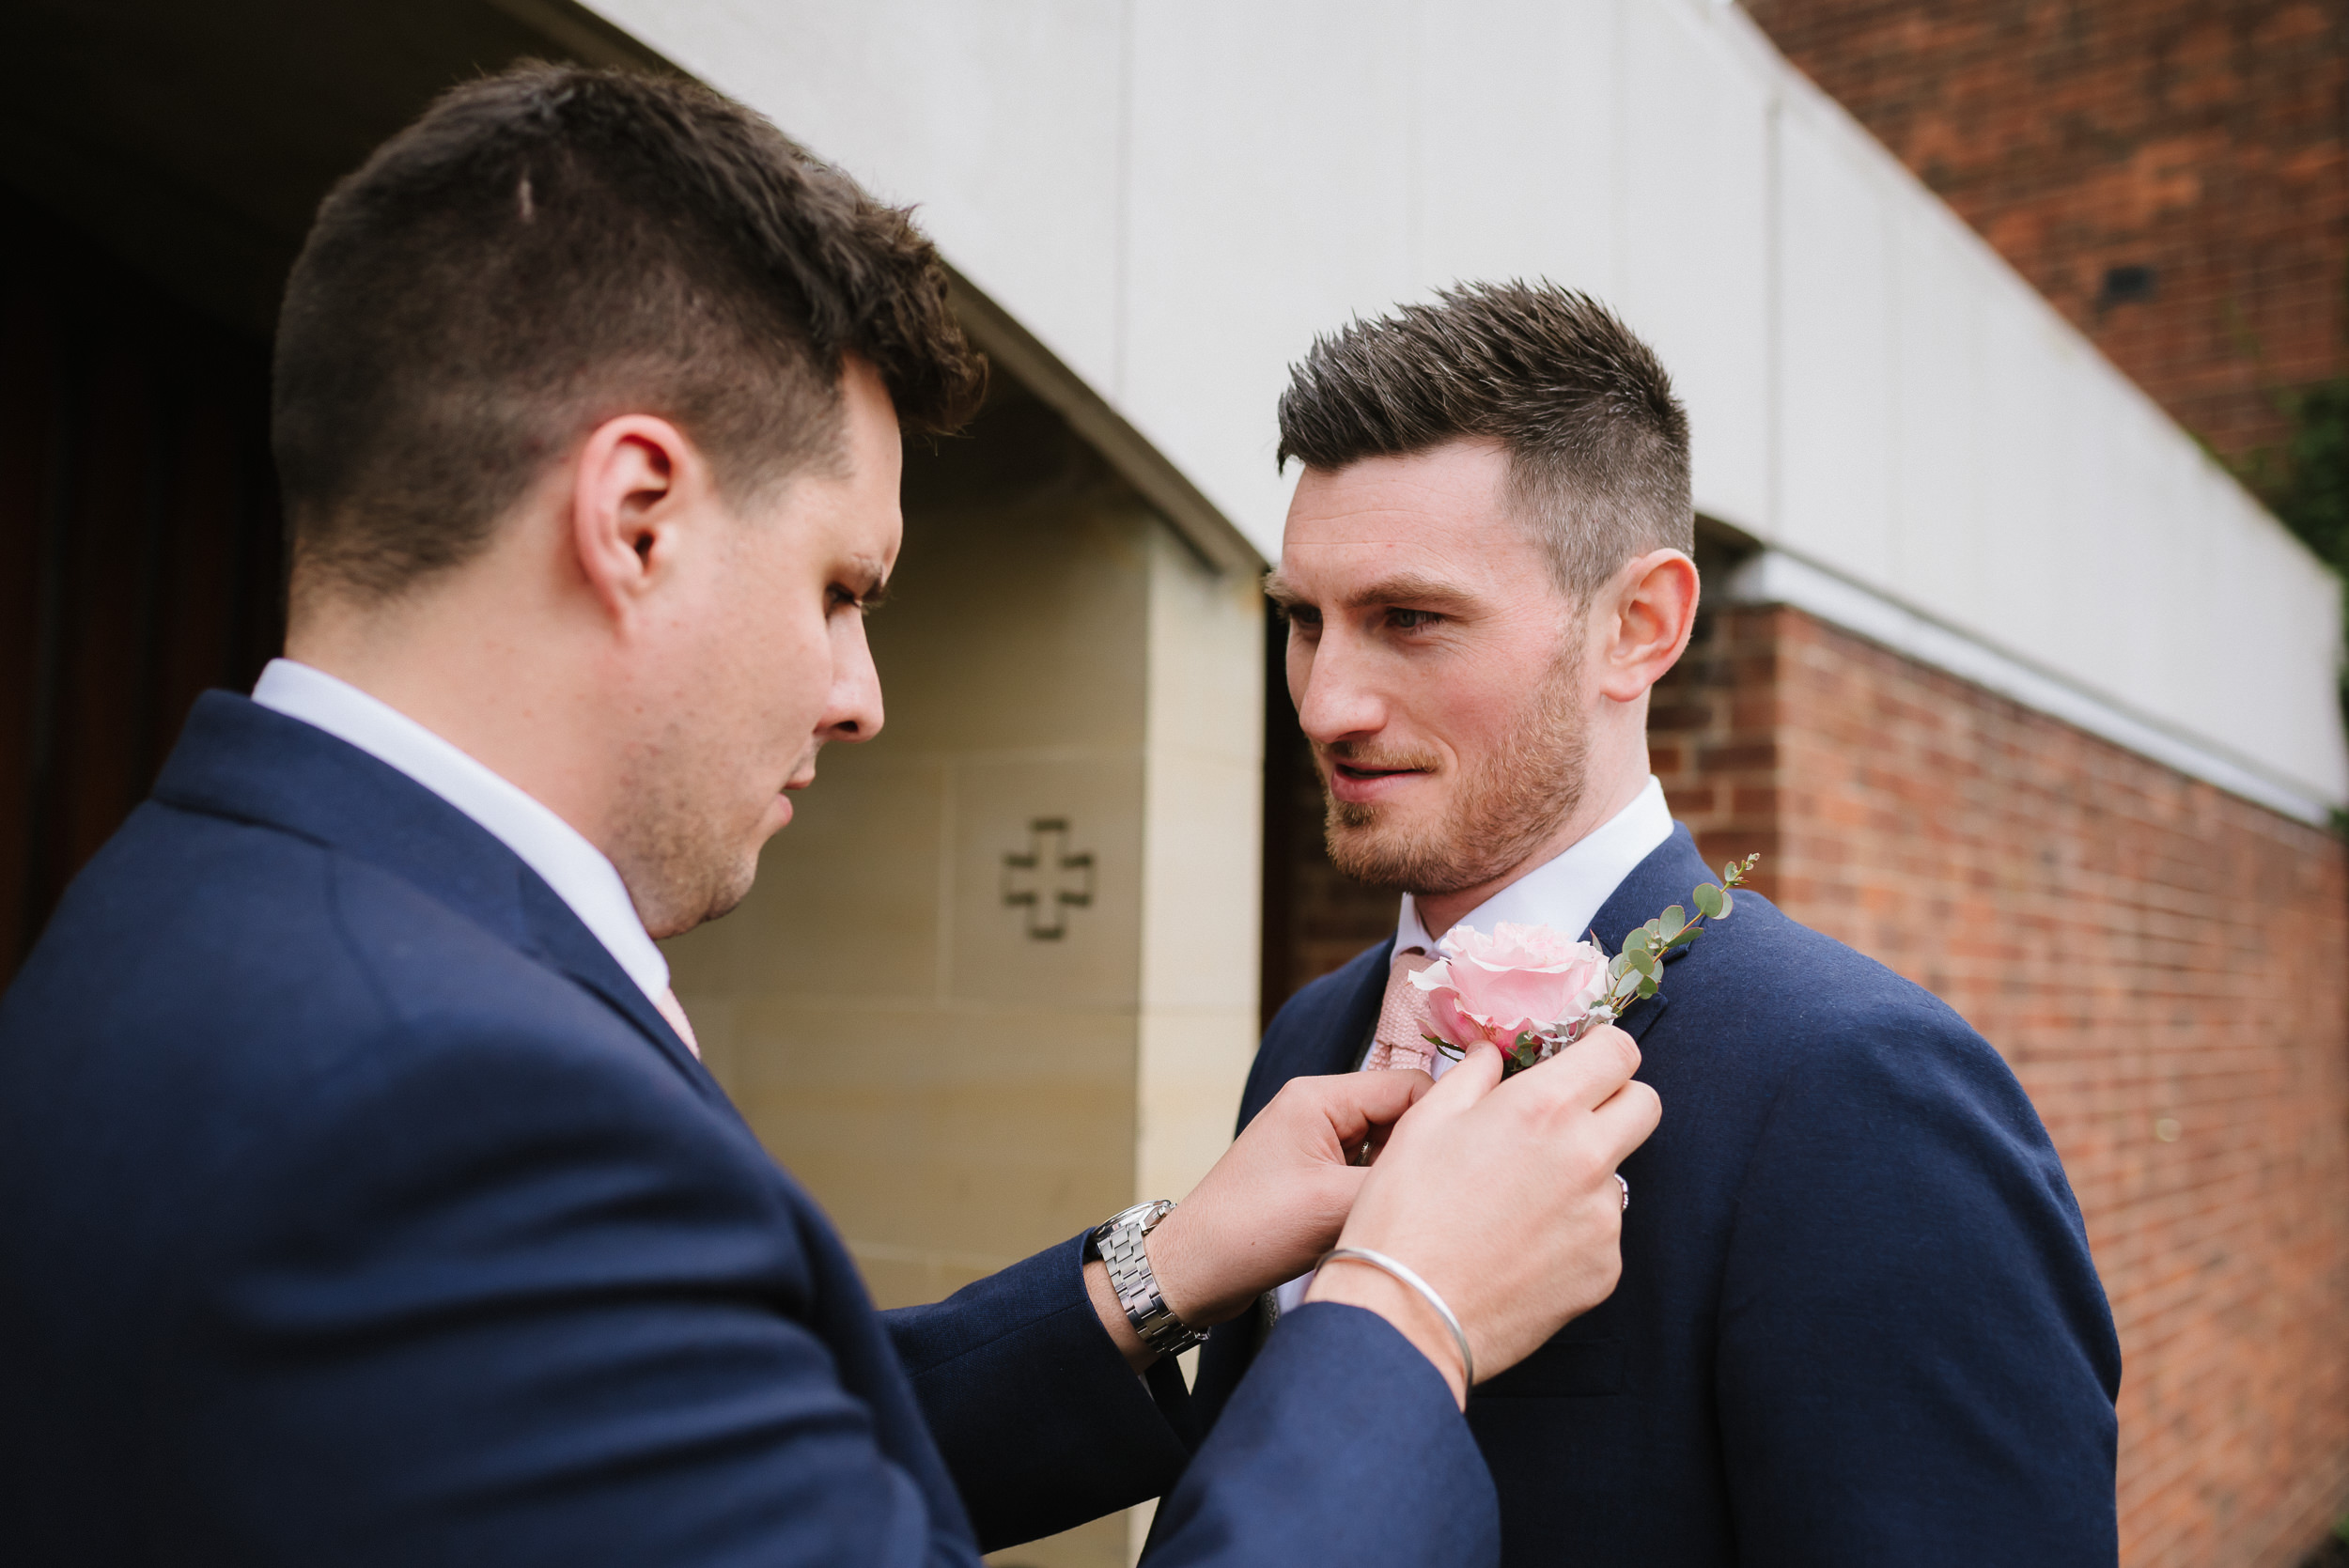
[
  {"x": 359, "y": 1209},
  {"x": 1858, "y": 1324}
]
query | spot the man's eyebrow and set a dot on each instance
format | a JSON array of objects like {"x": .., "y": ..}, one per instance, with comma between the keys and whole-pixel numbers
[
  {"x": 1403, "y": 588},
  {"x": 1407, "y": 588}
]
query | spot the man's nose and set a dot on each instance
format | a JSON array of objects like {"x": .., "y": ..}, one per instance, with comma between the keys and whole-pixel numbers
[
  {"x": 1336, "y": 698},
  {"x": 854, "y": 711}
]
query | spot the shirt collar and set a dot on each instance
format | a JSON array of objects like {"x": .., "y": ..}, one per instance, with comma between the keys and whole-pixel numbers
[
  {"x": 578, "y": 872},
  {"x": 1566, "y": 891}
]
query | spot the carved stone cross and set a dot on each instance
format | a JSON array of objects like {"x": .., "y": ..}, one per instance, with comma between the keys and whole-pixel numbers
[{"x": 1048, "y": 880}]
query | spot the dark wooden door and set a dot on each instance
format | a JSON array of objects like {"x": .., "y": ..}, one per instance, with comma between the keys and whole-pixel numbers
[{"x": 142, "y": 557}]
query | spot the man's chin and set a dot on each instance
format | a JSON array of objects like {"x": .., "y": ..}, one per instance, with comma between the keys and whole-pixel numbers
[
  {"x": 1368, "y": 845},
  {"x": 701, "y": 900},
  {"x": 729, "y": 898},
  {"x": 1371, "y": 851}
]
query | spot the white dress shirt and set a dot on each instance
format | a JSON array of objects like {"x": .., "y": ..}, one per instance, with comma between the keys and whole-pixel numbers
[
  {"x": 1564, "y": 892},
  {"x": 558, "y": 852}
]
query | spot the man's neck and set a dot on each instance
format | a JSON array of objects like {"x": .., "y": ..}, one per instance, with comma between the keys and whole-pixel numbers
[
  {"x": 486, "y": 695},
  {"x": 1440, "y": 911}
]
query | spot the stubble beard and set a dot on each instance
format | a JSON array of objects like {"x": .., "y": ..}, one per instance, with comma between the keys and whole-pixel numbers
[
  {"x": 679, "y": 855},
  {"x": 1506, "y": 803}
]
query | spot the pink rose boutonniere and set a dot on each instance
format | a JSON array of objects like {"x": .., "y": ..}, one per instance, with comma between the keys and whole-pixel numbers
[{"x": 1532, "y": 990}]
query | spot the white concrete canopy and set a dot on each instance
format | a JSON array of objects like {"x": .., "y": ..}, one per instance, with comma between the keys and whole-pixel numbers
[{"x": 1173, "y": 199}]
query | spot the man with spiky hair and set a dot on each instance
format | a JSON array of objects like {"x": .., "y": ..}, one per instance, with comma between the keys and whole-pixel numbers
[
  {"x": 366, "y": 1202},
  {"x": 1859, "y": 1324}
]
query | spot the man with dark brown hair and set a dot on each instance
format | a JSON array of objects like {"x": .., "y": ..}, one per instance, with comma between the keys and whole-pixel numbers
[
  {"x": 1859, "y": 1324},
  {"x": 549, "y": 247},
  {"x": 366, "y": 1200}
]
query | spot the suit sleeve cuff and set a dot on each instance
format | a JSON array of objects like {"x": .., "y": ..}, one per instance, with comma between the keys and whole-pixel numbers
[
  {"x": 1341, "y": 1445},
  {"x": 1041, "y": 1421}
]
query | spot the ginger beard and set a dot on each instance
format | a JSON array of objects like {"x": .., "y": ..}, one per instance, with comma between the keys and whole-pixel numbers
[{"x": 1505, "y": 799}]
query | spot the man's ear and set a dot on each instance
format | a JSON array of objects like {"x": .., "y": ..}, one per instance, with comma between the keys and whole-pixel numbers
[
  {"x": 636, "y": 483},
  {"x": 1654, "y": 612}
]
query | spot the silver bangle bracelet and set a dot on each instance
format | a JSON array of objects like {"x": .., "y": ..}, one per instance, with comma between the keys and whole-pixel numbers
[{"x": 1389, "y": 1266}]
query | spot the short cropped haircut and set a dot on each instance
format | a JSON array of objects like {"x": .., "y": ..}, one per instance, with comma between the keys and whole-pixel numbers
[
  {"x": 1597, "y": 445},
  {"x": 551, "y": 247}
]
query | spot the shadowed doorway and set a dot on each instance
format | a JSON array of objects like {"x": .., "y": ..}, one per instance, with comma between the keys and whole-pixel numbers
[{"x": 159, "y": 164}]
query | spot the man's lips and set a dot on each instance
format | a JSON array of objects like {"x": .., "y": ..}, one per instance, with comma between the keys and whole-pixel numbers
[
  {"x": 781, "y": 806},
  {"x": 1357, "y": 785}
]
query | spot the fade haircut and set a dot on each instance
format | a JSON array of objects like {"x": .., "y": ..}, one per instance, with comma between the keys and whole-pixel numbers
[
  {"x": 550, "y": 247},
  {"x": 1597, "y": 445}
]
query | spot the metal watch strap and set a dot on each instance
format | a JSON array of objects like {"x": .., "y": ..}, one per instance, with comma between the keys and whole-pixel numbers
[{"x": 1117, "y": 1241}]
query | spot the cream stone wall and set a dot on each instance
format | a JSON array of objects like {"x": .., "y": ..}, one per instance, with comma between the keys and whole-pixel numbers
[
  {"x": 1202, "y": 876},
  {"x": 1203, "y": 776},
  {"x": 957, "y": 1090}
]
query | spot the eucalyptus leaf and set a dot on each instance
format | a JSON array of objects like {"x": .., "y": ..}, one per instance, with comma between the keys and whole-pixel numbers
[
  {"x": 1729, "y": 902},
  {"x": 1712, "y": 900},
  {"x": 1647, "y": 986},
  {"x": 1673, "y": 921}
]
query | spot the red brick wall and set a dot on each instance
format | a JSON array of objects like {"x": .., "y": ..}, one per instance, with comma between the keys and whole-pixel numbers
[
  {"x": 2201, "y": 138},
  {"x": 2143, "y": 947},
  {"x": 2154, "y": 958}
]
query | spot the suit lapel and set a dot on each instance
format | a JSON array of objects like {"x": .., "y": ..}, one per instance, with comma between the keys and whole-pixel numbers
[
  {"x": 1670, "y": 872},
  {"x": 562, "y": 941},
  {"x": 1667, "y": 875}
]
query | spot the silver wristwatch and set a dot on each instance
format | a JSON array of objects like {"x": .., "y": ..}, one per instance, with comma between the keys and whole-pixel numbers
[{"x": 1117, "y": 1242}]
